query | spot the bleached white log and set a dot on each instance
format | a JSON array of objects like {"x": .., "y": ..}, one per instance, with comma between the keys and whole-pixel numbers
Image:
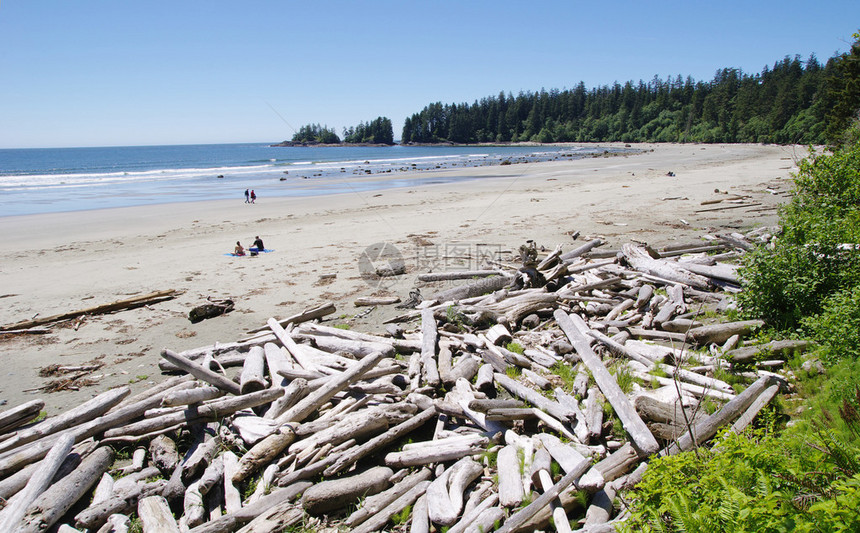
[
  {"x": 191, "y": 396},
  {"x": 53, "y": 503},
  {"x": 263, "y": 452},
  {"x": 445, "y": 494},
  {"x": 510, "y": 484},
  {"x": 11, "y": 515},
  {"x": 439, "y": 454},
  {"x": 104, "y": 489},
  {"x": 378, "y": 521},
  {"x": 20, "y": 415},
  {"x": 201, "y": 372},
  {"x": 193, "y": 507},
  {"x": 232, "y": 496},
  {"x": 635, "y": 427},
  {"x": 155, "y": 515},
  {"x": 252, "y": 379},
  {"x": 314, "y": 400},
  {"x": 77, "y": 415},
  {"x": 338, "y": 493},
  {"x": 213, "y": 410}
]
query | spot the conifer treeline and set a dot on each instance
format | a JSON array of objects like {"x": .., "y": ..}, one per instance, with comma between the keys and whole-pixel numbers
[
  {"x": 783, "y": 104},
  {"x": 377, "y": 131}
]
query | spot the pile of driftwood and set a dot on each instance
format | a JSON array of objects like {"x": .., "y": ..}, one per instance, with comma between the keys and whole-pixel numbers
[{"x": 526, "y": 397}]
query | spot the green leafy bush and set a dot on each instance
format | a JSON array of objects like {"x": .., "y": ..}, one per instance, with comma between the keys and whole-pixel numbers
[
  {"x": 837, "y": 327},
  {"x": 817, "y": 255}
]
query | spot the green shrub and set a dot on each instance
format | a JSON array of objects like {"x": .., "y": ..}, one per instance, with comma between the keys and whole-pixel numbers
[
  {"x": 816, "y": 256},
  {"x": 837, "y": 327}
]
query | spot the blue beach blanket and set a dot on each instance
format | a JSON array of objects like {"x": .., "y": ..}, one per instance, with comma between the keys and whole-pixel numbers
[{"x": 248, "y": 254}]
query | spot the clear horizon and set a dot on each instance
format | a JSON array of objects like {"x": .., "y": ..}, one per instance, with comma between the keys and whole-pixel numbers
[{"x": 114, "y": 74}]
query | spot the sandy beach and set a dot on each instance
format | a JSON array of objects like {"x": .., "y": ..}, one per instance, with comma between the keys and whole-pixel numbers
[{"x": 57, "y": 263}]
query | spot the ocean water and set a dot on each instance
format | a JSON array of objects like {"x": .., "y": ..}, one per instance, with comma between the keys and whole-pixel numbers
[{"x": 49, "y": 180}]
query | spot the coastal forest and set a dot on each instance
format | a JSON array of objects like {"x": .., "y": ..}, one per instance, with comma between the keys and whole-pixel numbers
[
  {"x": 790, "y": 102},
  {"x": 794, "y": 101}
]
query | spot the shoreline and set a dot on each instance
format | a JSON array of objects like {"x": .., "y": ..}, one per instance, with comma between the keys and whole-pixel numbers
[{"x": 61, "y": 262}]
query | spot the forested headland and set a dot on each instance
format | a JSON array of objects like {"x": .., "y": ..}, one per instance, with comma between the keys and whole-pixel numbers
[
  {"x": 791, "y": 102},
  {"x": 376, "y": 131}
]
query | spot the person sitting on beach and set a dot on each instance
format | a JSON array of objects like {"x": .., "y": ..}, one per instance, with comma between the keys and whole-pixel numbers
[
  {"x": 239, "y": 250},
  {"x": 258, "y": 245}
]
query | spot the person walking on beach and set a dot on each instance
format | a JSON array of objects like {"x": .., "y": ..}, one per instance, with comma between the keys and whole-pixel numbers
[
  {"x": 247, "y": 201},
  {"x": 253, "y": 196}
]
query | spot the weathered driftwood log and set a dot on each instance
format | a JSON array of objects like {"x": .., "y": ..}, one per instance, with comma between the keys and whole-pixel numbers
[
  {"x": 368, "y": 301},
  {"x": 232, "y": 496},
  {"x": 155, "y": 515},
  {"x": 460, "y": 274},
  {"x": 541, "y": 478},
  {"x": 667, "y": 413},
  {"x": 351, "y": 456},
  {"x": 194, "y": 510},
  {"x": 202, "y": 456},
  {"x": 164, "y": 454},
  {"x": 252, "y": 378},
  {"x": 440, "y": 454},
  {"x": 104, "y": 488},
  {"x": 38, "y": 449},
  {"x": 768, "y": 350},
  {"x": 708, "y": 427},
  {"x": 375, "y": 503},
  {"x": 720, "y": 271},
  {"x": 474, "y": 519},
  {"x": 635, "y": 427},
  {"x": 95, "y": 515},
  {"x": 212, "y": 476},
  {"x": 304, "y": 316},
  {"x": 263, "y": 452},
  {"x": 191, "y": 396},
  {"x": 594, "y": 414},
  {"x": 277, "y": 358},
  {"x": 566, "y": 456},
  {"x": 420, "y": 520},
  {"x": 747, "y": 417},
  {"x": 720, "y": 333},
  {"x": 20, "y": 415},
  {"x": 282, "y": 517},
  {"x": 314, "y": 400},
  {"x": 640, "y": 260},
  {"x": 119, "y": 305},
  {"x": 581, "y": 250},
  {"x": 379, "y": 520},
  {"x": 401, "y": 345},
  {"x": 476, "y": 288},
  {"x": 519, "y": 518},
  {"x": 201, "y": 372},
  {"x": 335, "y": 494},
  {"x": 510, "y": 480},
  {"x": 535, "y": 398},
  {"x": 358, "y": 426},
  {"x": 429, "y": 336},
  {"x": 445, "y": 494},
  {"x": 75, "y": 416},
  {"x": 232, "y": 521},
  {"x": 295, "y": 391},
  {"x": 165, "y": 387},
  {"x": 11, "y": 515},
  {"x": 208, "y": 411}
]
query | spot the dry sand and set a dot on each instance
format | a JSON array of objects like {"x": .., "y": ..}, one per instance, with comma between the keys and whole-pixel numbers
[{"x": 62, "y": 262}]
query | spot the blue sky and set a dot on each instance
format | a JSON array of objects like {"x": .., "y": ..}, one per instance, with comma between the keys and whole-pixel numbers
[{"x": 105, "y": 73}]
